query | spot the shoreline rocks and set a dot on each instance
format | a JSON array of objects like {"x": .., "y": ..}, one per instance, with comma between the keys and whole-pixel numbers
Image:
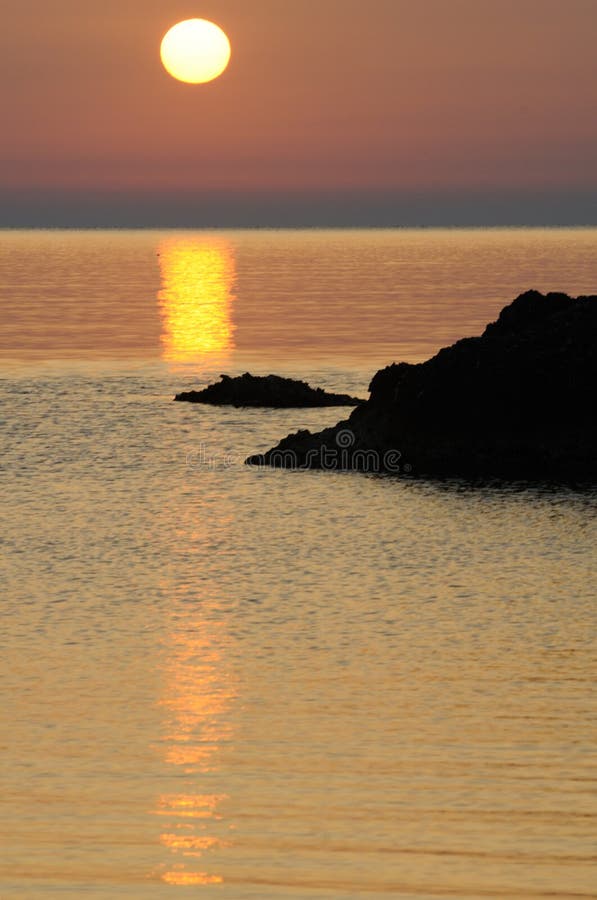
[
  {"x": 266, "y": 391},
  {"x": 518, "y": 402}
]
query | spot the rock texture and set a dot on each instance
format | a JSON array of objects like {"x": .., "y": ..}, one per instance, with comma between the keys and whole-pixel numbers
[
  {"x": 518, "y": 402},
  {"x": 265, "y": 390}
]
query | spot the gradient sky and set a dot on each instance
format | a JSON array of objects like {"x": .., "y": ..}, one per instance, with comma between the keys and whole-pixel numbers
[{"x": 331, "y": 112}]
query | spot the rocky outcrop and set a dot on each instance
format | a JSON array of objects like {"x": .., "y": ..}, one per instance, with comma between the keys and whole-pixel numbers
[
  {"x": 518, "y": 402},
  {"x": 265, "y": 390}
]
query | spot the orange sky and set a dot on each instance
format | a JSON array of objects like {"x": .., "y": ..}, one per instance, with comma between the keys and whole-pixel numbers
[{"x": 320, "y": 95}]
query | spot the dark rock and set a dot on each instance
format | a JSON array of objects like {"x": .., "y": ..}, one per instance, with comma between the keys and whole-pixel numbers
[
  {"x": 518, "y": 402},
  {"x": 265, "y": 390}
]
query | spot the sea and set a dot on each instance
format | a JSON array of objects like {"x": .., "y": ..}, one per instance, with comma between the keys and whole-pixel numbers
[{"x": 232, "y": 683}]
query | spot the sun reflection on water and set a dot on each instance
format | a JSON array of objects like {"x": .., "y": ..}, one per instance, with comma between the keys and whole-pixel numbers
[
  {"x": 199, "y": 689},
  {"x": 183, "y": 879},
  {"x": 196, "y": 299}
]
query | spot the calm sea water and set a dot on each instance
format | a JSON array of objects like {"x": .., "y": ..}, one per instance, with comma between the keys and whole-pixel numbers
[{"x": 232, "y": 683}]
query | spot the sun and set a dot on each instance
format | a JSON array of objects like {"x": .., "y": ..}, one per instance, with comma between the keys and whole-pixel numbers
[{"x": 195, "y": 51}]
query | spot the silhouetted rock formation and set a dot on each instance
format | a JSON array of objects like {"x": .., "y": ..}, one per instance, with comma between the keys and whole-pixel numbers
[
  {"x": 516, "y": 403},
  {"x": 265, "y": 390}
]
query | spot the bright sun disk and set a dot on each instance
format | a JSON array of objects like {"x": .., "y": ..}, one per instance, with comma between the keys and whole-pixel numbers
[{"x": 195, "y": 51}]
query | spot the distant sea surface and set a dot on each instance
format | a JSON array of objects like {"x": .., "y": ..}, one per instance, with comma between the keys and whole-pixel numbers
[{"x": 234, "y": 683}]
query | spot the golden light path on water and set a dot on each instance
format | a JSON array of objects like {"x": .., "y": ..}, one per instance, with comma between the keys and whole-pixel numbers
[
  {"x": 195, "y": 299},
  {"x": 198, "y": 692}
]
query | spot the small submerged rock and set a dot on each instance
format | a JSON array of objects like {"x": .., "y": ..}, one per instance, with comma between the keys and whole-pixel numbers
[{"x": 267, "y": 391}]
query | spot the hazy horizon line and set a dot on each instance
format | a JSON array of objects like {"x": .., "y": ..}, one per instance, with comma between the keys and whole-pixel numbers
[
  {"x": 452, "y": 227},
  {"x": 346, "y": 209}
]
